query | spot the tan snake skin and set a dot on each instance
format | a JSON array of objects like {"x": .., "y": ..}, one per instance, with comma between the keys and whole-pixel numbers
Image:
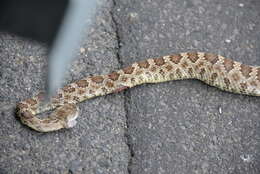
[{"x": 214, "y": 70}]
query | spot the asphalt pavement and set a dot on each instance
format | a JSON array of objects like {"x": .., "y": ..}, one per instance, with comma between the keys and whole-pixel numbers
[{"x": 174, "y": 127}]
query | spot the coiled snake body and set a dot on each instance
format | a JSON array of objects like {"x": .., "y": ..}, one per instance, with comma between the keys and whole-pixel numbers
[{"x": 214, "y": 70}]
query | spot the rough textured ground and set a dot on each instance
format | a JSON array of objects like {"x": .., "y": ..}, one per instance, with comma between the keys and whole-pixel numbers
[
  {"x": 176, "y": 127},
  {"x": 97, "y": 144}
]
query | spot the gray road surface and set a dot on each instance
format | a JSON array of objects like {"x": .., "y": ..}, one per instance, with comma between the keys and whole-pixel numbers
[{"x": 175, "y": 127}]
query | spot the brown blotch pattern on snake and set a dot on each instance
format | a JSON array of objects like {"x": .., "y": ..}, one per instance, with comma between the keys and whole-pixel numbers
[
  {"x": 193, "y": 56},
  {"x": 76, "y": 98},
  {"x": 68, "y": 89},
  {"x": 113, "y": 76},
  {"x": 97, "y": 79},
  {"x": 110, "y": 84},
  {"x": 246, "y": 70},
  {"x": 212, "y": 58},
  {"x": 175, "y": 58},
  {"x": 82, "y": 83},
  {"x": 153, "y": 69},
  {"x": 243, "y": 86},
  {"x": 162, "y": 72},
  {"x": 143, "y": 64},
  {"x": 31, "y": 101},
  {"x": 213, "y": 77},
  {"x": 228, "y": 64},
  {"x": 22, "y": 106},
  {"x": 235, "y": 77},
  {"x": 184, "y": 64},
  {"x": 80, "y": 91},
  {"x": 178, "y": 72},
  {"x": 202, "y": 72},
  {"x": 159, "y": 61},
  {"x": 190, "y": 71},
  {"x": 129, "y": 70},
  {"x": 227, "y": 82},
  {"x": 169, "y": 67}
]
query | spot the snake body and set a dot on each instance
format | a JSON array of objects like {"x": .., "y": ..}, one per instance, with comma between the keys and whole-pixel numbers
[{"x": 212, "y": 69}]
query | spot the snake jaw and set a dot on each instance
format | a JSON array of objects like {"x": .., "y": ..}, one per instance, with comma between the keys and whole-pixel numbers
[
  {"x": 71, "y": 119},
  {"x": 66, "y": 114}
]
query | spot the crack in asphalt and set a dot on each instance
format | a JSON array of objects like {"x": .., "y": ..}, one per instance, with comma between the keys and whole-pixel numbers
[{"x": 126, "y": 94}]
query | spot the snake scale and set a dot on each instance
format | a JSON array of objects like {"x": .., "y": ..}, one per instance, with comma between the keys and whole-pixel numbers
[{"x": 212, "y": 69}]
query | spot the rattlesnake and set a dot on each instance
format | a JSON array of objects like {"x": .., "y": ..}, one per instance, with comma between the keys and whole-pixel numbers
[{"x": 212, "y": 69}]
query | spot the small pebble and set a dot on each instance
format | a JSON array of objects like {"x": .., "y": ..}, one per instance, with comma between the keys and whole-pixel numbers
[
  {"x": 220, "y": 110},
  {"x": 246, "y": 158},
  {"x": 241, "y": 5},
  {"x": 133, "y": 16},
  {"x": 227, "y": 40},
  {"x": 82, "y": 50}
]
